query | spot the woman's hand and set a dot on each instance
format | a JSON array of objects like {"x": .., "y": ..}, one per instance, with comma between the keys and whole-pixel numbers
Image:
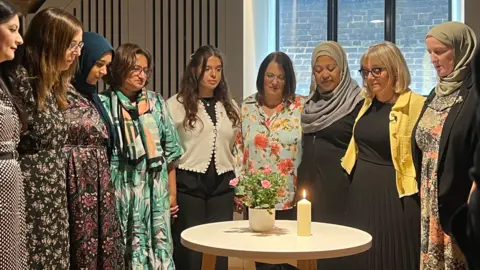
[
  {"x": 173, "y": 206},
  {"x": 474, "y": 186},
  {"x": 238, "y": 204}
]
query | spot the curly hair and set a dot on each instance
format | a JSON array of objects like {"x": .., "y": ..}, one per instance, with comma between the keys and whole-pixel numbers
[{"x": 188, "y": 94}]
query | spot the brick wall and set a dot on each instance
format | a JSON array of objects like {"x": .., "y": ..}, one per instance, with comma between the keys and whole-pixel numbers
[{"x": 303, "y": 24}]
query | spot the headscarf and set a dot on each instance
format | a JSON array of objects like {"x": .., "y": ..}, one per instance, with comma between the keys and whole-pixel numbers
[
  {"x": 463, "y": 41},
  {"x": 319, "y": 112},
  {"x": 94, "y": 47}
]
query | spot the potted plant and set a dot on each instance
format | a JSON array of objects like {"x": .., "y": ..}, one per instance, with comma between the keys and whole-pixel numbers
[{"x": 260, "y": 191}]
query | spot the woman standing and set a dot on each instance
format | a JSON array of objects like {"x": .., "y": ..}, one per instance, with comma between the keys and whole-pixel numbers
[
  {"x": 327, "y": 121},
  {"x": 52, "y": 44},
  {"x": 142, "y": 163},
  {"x": 13, "y": 253},
  {"x": 383, "y": 199},
  {"x": 91, "y": 195},
  {"x": 271, "y": 131},
  {"x": 444, "y": 143},
  {"x": 206, "y": 118}
]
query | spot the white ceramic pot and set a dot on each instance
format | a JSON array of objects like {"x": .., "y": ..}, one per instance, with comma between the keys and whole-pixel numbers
[{"x": 261, "y": 220}]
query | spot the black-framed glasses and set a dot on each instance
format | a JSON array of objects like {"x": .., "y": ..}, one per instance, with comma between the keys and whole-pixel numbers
[
  {"x": 376, "y": 72},
  {"x": 137, "y": 70},
  {"x": 75, "y": 46}
]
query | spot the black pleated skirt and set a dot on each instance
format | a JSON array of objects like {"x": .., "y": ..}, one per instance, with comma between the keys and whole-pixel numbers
[{"x": 374, "y": 206}]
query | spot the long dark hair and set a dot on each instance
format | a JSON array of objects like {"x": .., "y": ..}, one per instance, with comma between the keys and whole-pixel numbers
[
  {"x": 189, "y": 87},
  {"x": 8, "y": 77},
  {"x": 290, "y": 82}
]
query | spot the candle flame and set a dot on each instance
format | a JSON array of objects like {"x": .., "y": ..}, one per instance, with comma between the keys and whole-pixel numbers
[{"x": 304, "y": 194}]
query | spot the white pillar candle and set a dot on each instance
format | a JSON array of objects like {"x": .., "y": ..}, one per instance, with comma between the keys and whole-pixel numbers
[{"x": 304, "y": 217}]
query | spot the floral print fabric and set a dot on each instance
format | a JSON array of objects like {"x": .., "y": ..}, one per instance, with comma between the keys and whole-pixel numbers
[
  {"x": 95, "y": 234},
  {"x": 43, "y": 164},
  {"x": 438, "y": 251},
  {"x": 143, "y": 203},
  {"x": 274, "y": 140}
]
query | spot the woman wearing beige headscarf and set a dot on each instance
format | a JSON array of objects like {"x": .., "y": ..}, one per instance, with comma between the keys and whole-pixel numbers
[{"x": 444, "y": 142}]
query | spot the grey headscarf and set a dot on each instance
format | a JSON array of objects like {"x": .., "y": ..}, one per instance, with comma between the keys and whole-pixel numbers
[
  {"x": 320, "y": 113},
  {"x": 463, "y": 41}
]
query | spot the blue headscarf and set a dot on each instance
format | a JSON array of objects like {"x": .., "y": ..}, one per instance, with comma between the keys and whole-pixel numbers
[{"x": 95, "y": 46}]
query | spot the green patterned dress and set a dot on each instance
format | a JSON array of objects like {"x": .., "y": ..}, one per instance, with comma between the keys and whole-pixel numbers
[{"x": 143, "y": 204}]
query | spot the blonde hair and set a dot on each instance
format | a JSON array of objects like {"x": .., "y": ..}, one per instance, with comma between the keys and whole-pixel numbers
[
  {"x": 390, "y": 56},
  {"x": 48, "y": 37}
]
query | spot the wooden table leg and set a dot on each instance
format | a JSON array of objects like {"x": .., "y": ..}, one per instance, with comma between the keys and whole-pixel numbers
[
  {"x": 307, "y": 265},
  {"x": 208, "y": 261}
]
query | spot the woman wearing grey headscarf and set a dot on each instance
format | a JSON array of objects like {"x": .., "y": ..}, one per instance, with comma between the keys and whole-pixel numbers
[
  {"x": 444, "y": 142},
  {"x": 327, "y": 121}
]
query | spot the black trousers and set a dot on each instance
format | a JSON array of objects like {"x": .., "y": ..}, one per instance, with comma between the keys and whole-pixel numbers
[
  {"x": 290, "y": 214},
  {"x": 196, "y": 211}
]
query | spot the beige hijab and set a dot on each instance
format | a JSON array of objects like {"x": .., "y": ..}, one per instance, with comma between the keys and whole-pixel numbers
[
  {"x": 463, "y": 41},
  {"x": 319, "y": 113}
]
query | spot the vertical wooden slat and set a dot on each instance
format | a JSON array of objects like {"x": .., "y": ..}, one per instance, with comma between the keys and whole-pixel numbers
[
  {"x": 212, "y": 27},
  {"x": 204, "y": 22},
  {"x": 172, "y": 63},
  {"x": 197, "y": 25},
  {"x": 92, "y": 16},
  {"x": 222, "y": 30},
  {"x": 189, "y": 48},
  {"x": 165, "y": 48},
  {"x": 89, "y": 15},
  {"x": 157, "y": 45},
  {"x": 181, "y": 53},
  {"x": 124, "y": 21},
  {"x": 149, "y": 35},
  {"x": 115, "y": 26}
]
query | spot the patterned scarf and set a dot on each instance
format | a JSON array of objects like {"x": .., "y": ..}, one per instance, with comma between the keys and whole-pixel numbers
[{"x": 137, "y": 141}]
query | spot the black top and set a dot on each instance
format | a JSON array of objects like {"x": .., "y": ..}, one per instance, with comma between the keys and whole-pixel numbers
[
  {"x": 372, "y": 139},
  {"x": 320, "y": 170}
]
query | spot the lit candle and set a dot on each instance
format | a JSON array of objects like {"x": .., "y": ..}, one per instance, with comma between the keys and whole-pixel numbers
[{"x": 304, "y": 217}]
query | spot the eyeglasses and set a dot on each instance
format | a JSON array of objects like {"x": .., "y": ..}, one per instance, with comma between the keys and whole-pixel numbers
[
  {"x": 376, "y": 72},
  {"x": 271, "y": 77},
  {"x": 75, "y": 46},
  {"x": 137, "y": 70}
]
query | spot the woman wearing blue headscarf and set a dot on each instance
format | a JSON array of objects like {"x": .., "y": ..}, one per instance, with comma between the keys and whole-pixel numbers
[{"x": 95, "y": 234}]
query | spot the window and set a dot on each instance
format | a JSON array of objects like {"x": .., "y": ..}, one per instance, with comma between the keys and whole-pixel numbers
[
  {"x": 302, "y": 25},
  {"x": 360, "y": 24},
  {"x": 413, "y": 20}
]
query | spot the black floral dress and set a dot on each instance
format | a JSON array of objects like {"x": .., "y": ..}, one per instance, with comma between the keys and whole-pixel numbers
[
  {"x": 43, "y": 164},
  {"x": 95, "y": 233}
]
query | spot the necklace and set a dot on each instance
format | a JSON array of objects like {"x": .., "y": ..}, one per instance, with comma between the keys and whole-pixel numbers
[{"x": 207, "y": 101}]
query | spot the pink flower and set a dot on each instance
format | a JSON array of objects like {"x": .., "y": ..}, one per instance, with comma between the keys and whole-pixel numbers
[
  {"x": 266, "y": 184},
  {"x": 234, "y": 182},
  {"x": 267, "y": 169},
  {"x": 251, "y": 170}
]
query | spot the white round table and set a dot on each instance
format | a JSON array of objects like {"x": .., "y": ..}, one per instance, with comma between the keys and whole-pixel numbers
[{"x": 280, "y": 245}]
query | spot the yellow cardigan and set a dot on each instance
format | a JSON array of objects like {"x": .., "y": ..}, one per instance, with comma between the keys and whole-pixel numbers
[{"x": 403, "y": 116}]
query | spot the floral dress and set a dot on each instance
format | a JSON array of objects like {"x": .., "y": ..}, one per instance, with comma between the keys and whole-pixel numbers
[
  {"x": 13, "y": 252},
  {"x": 275, "y": 141},
  {"x": 143, "y": 202},
  {"x": 43, "y": 163},
  {"x": 437, "y": 250},
  {"x": 95, "y": 234}
]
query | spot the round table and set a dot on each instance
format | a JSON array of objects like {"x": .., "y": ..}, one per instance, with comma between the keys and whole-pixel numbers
[{"x": 280, "y": 245}]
